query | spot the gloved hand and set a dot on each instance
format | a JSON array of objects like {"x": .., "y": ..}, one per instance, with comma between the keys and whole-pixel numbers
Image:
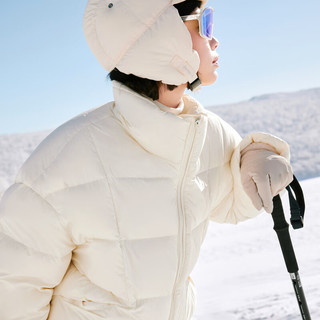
[{"x": 264, "y": 174}]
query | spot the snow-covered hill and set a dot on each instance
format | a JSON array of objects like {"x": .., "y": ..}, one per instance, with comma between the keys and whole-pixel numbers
[
  {"x": 294, "y": 117},
  {"x": 14, "y": 150},
  {"x": 241, "y": 275}
]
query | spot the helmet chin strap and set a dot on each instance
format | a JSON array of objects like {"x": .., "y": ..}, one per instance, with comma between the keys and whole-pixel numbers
[{"x": 194, "y": 84}]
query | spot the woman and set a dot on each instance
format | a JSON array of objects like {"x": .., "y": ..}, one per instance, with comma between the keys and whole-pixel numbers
[{"x": 106, "y": 218}]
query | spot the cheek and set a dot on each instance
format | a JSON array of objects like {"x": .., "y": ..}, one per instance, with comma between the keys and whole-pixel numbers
[
  {"x": 203, "y": 48},
  {"x": 207, "y": 72}
]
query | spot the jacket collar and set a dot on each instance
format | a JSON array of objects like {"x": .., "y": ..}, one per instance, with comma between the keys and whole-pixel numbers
[{"x": 159, "y": 132}]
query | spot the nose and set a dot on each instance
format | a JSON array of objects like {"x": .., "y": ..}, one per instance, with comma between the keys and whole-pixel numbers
[{"x": 214, "y": 43}]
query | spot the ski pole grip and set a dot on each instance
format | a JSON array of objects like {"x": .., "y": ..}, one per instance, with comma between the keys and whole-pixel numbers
[{"x": 281, "y": 227}]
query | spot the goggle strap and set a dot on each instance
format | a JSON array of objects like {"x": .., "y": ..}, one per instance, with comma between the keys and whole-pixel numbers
[
  {"x": 191, "y": 17},
  {"x": 194, "y": 84}
]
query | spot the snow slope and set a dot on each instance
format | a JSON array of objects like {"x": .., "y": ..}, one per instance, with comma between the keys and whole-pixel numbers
[
  {"x": 241, "y": 275},
  {"x": 14, "y": 150},
  {"x": 294, "y": 117}
]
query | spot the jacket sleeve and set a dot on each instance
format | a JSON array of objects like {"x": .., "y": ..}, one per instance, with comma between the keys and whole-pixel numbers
[
  {"x": 35, "y": 252},
  {"x": 233, "y": 205}
]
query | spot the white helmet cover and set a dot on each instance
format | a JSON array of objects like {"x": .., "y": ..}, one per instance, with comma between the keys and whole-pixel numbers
[{"x": 144, "y": 37}]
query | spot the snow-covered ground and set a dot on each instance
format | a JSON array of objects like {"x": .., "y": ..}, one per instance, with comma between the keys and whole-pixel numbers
[{"x": 241, "y": 274}]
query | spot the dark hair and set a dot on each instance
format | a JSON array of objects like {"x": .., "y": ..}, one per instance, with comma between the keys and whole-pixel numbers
[
  {"x": 147, "y": 87},
  {"x": 187, "y": 7}
]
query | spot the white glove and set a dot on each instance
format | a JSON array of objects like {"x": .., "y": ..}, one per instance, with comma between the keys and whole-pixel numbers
[{"x": 264, "y": 174}]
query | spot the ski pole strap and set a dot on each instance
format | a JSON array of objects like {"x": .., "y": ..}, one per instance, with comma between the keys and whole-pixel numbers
[
  {"x": 297, "y": 205},
  {"x": 281, "y": 227}
]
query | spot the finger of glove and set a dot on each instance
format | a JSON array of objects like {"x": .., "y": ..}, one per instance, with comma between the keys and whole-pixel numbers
[
  {"x": 281, "y": 178},
  {"x": 264, "y": 190},
  {"x": 289, "y": 175},
  {"x": 251, "y": 190},
  {"x": 288, "y": 180}
]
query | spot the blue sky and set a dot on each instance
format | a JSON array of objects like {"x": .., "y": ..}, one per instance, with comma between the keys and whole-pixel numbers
[{"x": 49, "y": 75}]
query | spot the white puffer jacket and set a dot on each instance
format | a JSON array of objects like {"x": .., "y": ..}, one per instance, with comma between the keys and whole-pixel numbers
[{"x": 106, "y": 218}]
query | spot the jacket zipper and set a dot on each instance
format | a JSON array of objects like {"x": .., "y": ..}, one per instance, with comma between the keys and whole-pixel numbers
[{"x": 182, "y": 221}]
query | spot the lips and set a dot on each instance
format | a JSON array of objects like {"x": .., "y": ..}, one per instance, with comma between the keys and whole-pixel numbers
[{"x": 215, "y": 59}]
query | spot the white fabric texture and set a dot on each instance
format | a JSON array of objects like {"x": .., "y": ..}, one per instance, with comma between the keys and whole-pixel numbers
[
  {"x": 106, "y": 218},
  {"x": 145, "y": 38}
]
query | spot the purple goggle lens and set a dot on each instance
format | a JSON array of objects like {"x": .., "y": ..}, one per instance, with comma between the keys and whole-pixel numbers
[
  {"x": 207, "y": 23},
  {"x": 205, "y": 18}
]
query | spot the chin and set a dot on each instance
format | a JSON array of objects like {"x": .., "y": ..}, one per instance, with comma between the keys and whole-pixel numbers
[{"x": 208, "y": 79}]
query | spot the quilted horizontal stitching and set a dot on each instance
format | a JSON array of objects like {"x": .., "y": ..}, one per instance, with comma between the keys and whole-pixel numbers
[
  {"x": 215, "y": 167},
  {"x": 154, "y": 297},
  {"x": 144, "y": 178},
  {"x": 88, "y": 240},
  {"x": 75, "y": 186},
  {"x": 149, "y": 238},
  {"x": 32, "y": 249}
]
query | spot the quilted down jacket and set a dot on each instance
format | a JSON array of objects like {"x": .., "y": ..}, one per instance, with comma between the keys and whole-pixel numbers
[{"x": 106, "y": 218}]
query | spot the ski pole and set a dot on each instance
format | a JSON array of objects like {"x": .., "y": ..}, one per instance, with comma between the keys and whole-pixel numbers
[{"x": 281, "y": 227}]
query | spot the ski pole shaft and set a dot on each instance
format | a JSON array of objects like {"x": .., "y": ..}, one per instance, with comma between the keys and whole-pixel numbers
[
  {"x": 281, "y": 227},
  {"x": 300, "y": 296}
]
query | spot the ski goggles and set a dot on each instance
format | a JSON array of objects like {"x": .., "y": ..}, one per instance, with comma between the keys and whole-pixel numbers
[{"x": 205, "y": 18}]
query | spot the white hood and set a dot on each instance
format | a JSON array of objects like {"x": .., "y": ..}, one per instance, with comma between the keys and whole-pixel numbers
[{"x": 144, "y": 37}]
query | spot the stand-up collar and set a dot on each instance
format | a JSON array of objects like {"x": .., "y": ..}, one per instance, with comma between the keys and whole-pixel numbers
[
  {"x": 159, "y": 132},
  {"x": 176, "y": 111}
]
